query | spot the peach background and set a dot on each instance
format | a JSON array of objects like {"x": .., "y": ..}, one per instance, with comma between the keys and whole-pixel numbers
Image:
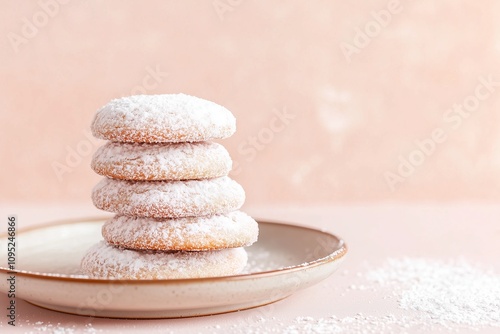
[{"x": 353, "y": 119}]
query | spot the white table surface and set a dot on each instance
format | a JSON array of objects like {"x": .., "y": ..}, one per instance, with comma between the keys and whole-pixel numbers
[{"x": 374, "y": 233}]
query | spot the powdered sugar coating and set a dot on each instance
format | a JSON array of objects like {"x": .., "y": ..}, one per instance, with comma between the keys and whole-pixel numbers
[
  {"x": 166, "y": 161},
  {"x": 169, "y": 199},
  {"x": 235, "y": 229},
  {"x": 105, "y": 261},
  {"x": 162, "y": 118}
]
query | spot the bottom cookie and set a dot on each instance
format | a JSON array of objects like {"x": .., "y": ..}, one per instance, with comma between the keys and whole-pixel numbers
[{"x": 105, "y": 261}]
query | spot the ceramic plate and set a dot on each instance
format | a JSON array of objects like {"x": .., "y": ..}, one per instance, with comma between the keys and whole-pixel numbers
[{"x": 287, "y": 258}]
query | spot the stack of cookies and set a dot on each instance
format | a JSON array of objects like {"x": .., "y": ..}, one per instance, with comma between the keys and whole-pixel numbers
[{"x": 176, "y": 208}]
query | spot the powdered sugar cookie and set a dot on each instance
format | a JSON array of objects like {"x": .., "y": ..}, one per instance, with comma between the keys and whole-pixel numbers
[
  {"x": 105, "y": 261},
  {"x": 162, "y": 118},
  {"x": 179, "y": 161},
  {"x": 235, "y": 229},
  {"x": 169, "y": 199}
]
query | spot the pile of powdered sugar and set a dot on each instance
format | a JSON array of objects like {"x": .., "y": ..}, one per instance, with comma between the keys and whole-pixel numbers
[
  {"x": 431, "y": 296},
  {"x": 452, "y": 292}
]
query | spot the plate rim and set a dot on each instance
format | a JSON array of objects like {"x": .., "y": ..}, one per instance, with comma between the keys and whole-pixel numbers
[{"x": 338, "y": 254}]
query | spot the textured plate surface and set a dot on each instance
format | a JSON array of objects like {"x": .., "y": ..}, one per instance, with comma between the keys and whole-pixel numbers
[{"x": 286, "y": 258}]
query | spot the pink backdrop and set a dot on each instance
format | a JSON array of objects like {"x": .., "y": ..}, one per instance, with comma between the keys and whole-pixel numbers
[{"x": 335, "y": 100}]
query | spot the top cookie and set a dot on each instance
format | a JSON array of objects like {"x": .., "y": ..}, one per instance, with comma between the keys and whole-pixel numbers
[{"x": 167, "y": 118}]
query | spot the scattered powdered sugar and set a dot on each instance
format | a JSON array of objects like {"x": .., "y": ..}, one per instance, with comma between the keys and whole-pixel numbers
[
  {"x": 162, "y": 118},
  {"x": 356, "y": 324},
  {"x": 260, "y": 261},
  {"x": 174, "y": 161},
  {"x": 432, "y": 295},
  {"x": 58, "y": 328}
]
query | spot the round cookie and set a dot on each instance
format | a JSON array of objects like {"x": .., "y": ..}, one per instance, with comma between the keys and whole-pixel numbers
[
  {"x": 235, "y": 229},
  {"x": 105, "y": 261},
  {"x": 147, "y": 162},
  {"x": 166, "y": 118},
  {"x": 169, "y": 199}
]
